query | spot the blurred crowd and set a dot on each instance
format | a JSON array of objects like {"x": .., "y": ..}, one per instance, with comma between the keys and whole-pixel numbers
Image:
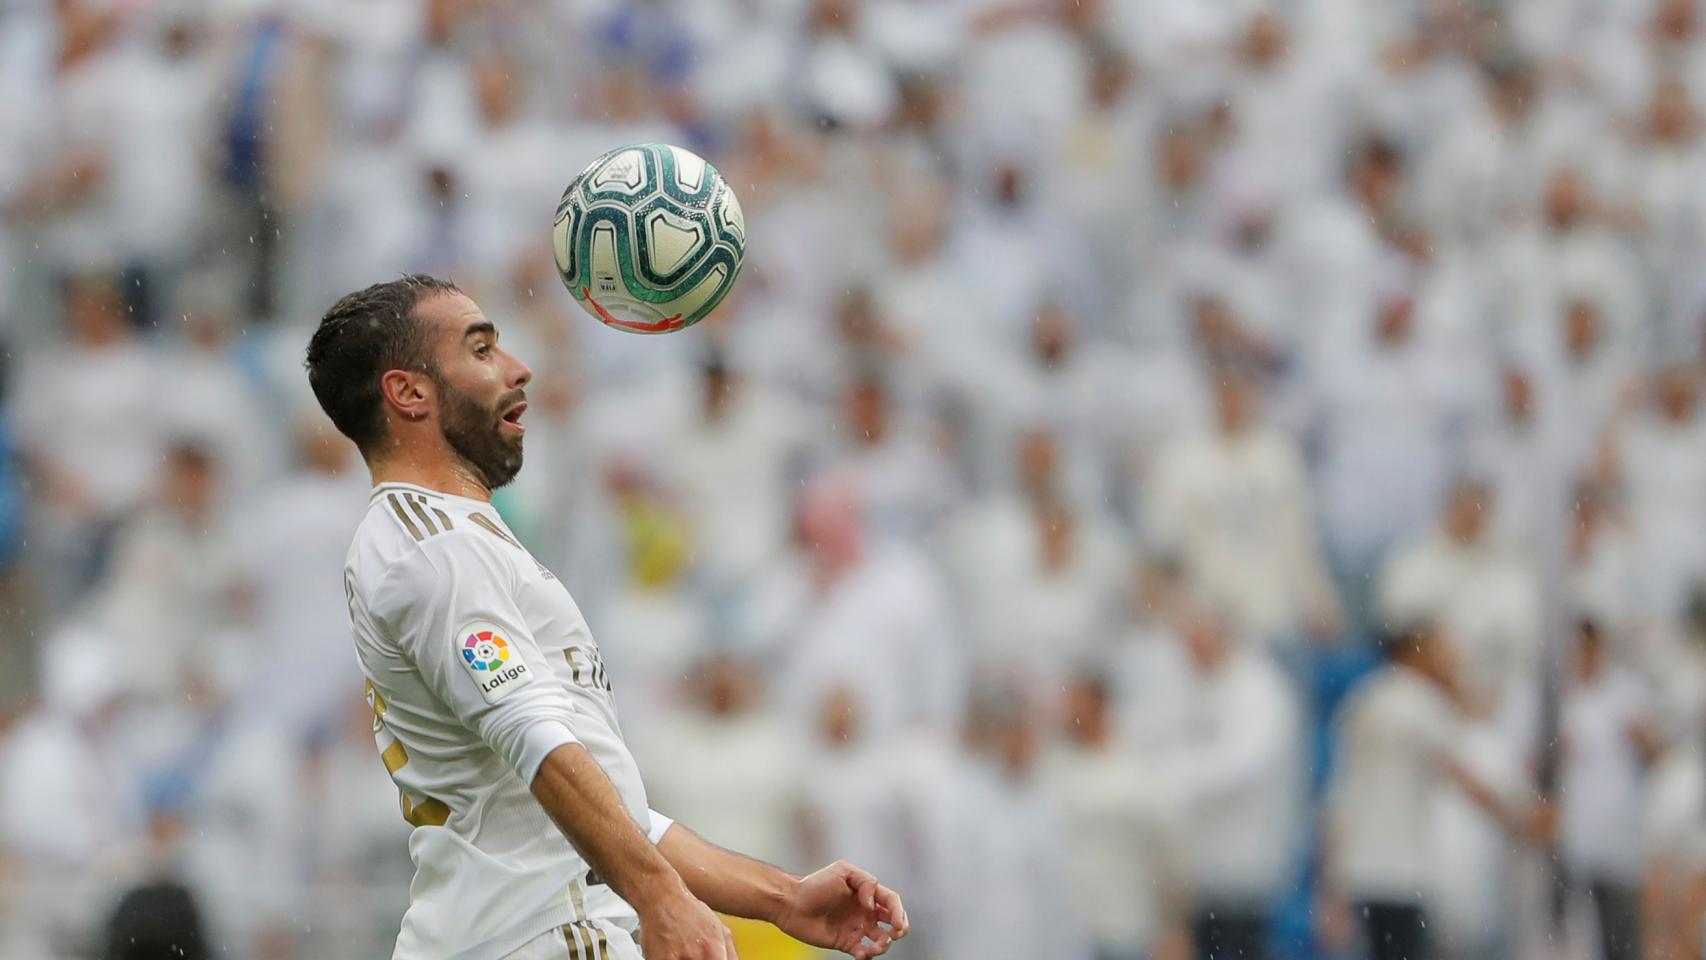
[{"x": 1176, "y": 478}]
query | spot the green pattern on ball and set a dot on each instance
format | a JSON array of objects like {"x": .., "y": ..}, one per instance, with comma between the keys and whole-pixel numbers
[{"x": 617, "y": 205}]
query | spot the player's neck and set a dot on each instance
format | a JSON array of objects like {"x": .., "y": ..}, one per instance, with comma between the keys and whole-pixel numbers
[{"x": 450, "y": 476}]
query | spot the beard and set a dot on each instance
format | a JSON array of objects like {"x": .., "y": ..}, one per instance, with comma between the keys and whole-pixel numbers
[{"x": 476, "y": 434}]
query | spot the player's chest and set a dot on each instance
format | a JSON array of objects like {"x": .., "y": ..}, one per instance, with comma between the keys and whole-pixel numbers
[
  {"x": 560, "y": 630},
  {"x": 552, "y": 617}
]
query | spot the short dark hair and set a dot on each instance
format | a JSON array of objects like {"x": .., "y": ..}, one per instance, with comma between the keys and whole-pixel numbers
[{"x": 365, "y": 334}]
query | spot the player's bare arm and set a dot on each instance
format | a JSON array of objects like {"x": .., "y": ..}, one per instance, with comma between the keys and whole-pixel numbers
[
  {"x": 674, "y": 925},
  {"x": 840, "y": 907},
  {"x": 675, "y": 885}
]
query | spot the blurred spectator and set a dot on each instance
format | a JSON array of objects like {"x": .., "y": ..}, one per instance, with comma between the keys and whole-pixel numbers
[
  {"x": 651, "y": 601},
  {"x": 1124, "y": 865},
  {"x": 512, "y": 171},
  {"x": 235, "y": 773},
  {"x": 1677, "y": 662},
  {"x": 1517, "y": 449},
  {"x": 1603, "y": 563},
  {"x": 728, "y": 763},
  {"x": 1234, "y": 506},
  {"x": 902, "y": 480},
  {"x": 1387, "y": 407},
  {"x": 1662, "y": 464},
  {"x": 1399, "y": 737},
  {"x": 1097, "y": 155},
  {"x": 296, "y": 531},
  {"x": 1236, "y": 759},
  {"x": 850, "y": 801},
  {"x": 1670, "y": 154},
  {"x": 345, "y": 834},
  {"x": 1008, "y": 887},
  {"x": 70, "y": 805},
  {"x": 208, "y": 393},
  {"x": 1568, "y": 244},
  {"x": 1085, "y": 390},
  {"x": 1609, "y": 739},
  {"x": 1594, "y": 378},
  {"x": 1053, "y": 610},
  {"x": 174, "y": 582},
  {"x": 1673, "y": 893},
  {"x": 1480, "y": 592},
  {"x": 853, "y": 611},
  {"x": 90, "y": 455},
  {"x": 731, "y": 463}
]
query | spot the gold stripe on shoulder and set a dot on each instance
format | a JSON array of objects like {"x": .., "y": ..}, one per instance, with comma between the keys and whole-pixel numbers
[
  {"x": 409, "y": 525},
  {"x": 417, "y": 503},
  {"x": 486, "y": 523}
]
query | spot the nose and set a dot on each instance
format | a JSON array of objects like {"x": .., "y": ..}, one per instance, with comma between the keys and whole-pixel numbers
[{"x": 519, "y": 373}]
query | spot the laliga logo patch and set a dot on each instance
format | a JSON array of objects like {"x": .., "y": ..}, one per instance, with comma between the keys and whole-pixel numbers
[{"x": 492, "y": 662}]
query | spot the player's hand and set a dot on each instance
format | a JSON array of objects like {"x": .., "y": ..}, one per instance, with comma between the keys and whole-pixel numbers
[
  {"x": 681, "y": 927},
  {"x": 844, "y": 908}
]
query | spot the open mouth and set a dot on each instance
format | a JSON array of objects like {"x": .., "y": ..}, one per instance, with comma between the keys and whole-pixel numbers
[{"x": 512, "y": 418}]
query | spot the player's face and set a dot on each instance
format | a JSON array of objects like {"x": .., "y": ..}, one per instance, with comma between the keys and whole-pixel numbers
[{"x": 481, "y": 399}]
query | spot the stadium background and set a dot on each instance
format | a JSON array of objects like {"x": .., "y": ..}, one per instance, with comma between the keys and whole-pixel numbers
[{"x": 1176, "y": 350}]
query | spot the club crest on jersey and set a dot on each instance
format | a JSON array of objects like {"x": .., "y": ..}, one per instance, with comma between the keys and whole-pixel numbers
[{"x": 491, "y": 661}]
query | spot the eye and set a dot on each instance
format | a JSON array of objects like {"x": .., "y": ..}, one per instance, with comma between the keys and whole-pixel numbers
[{"x": 484, "y": 349}]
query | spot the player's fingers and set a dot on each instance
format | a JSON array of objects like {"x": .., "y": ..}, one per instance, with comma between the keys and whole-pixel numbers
[
  {"x": 866, "y": 892},
  {"x": 878, "y": 944},
  {"x": 889, "y": 902},
  {"x": 729, "y": 944},
  {"x": 853, "y": 875}
]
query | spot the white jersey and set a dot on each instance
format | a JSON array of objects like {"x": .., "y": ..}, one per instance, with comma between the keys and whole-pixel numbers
[{"x": 479, "y": 664}]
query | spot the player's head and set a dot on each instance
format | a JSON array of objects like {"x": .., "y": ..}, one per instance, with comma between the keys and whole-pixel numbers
[{"x": 412, "y": 368}]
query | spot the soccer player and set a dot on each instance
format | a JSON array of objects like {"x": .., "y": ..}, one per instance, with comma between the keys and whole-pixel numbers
[{"x": 491, "y": 706}]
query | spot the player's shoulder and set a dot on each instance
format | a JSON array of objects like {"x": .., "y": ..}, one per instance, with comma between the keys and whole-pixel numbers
[{"x": 415, "y": 537}]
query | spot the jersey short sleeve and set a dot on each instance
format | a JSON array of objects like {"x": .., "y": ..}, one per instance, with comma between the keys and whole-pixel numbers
[{"x": 451, "y": 607}]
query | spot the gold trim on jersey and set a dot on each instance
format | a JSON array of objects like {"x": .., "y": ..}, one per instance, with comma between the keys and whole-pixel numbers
[
  {"x": 403, "y": 517},
  {"x": 595, "y": 946},
  {"x": 577, "y": 897},
  {"x": 485, "y": 522},
  {"x": 427, "y": 813},
  {"x": 419, "y": 506},
  {"x": 394, "y": 756}
]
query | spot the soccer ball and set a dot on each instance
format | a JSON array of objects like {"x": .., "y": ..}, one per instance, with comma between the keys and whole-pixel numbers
[{"x": 649, "y": 238}]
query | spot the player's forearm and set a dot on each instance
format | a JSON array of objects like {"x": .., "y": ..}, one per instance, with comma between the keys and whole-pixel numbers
[
  {"x": 727, "y": 881},
  {"x": 578, "y": 795}
]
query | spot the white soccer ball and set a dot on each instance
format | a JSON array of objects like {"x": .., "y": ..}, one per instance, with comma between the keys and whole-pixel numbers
[{"x": 649, "y": 238}]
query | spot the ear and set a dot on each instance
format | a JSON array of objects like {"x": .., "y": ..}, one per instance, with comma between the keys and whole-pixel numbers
[{"x": 408, "y": 393}]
